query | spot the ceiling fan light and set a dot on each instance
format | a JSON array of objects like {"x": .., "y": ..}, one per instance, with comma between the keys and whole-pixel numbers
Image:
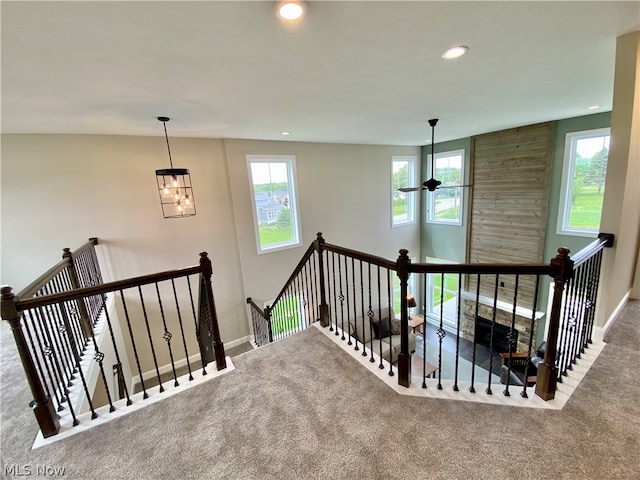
[{"x": 455, "y": 52}]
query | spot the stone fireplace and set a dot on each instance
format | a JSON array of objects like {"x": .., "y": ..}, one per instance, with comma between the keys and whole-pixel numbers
[{"x": 503, "y": 316}]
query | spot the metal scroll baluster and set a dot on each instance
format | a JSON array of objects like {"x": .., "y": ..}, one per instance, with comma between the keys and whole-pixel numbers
[
  {"x": 380, "y": 319},
  {"x": 341, "y": 297},
  {"x": 335, "y": 294},
  {"x": 353, "y": 300},
  {"x": 441, "y": 332},
  {"x": 167, "y": 337},
  {"x": 193, "y": 312},
  {"x": 370, "y": 313},
  {"x": 117, "y": 354}
]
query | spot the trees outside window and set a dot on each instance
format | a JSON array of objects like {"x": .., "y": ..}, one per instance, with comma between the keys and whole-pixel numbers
[{"x": 583, "y": 178}]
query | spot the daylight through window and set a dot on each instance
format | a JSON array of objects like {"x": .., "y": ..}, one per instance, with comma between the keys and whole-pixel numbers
[
  {"x": 445, "y": 204},
  {"x": 583, "y": 177},
  {"x": 403, "y": 205},
  {"x": 275, "y": 213}
]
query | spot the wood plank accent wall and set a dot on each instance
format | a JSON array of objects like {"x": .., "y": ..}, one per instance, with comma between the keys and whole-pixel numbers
[{"x": 511, "y": 172}]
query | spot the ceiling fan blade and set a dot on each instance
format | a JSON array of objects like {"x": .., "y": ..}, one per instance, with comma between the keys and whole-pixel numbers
[
  {"x": 453, "y": 186},
  {"x": 410, "y": 189}
]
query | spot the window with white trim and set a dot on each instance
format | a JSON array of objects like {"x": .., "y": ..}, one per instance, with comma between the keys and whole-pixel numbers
[
  {"x": 445, "y": 204},
  {"x": 583, "y": 176},
  {"x": 274, "y": 201},
  {"x": 442, "y": 295},
  {"x": 403, "y": 205}
]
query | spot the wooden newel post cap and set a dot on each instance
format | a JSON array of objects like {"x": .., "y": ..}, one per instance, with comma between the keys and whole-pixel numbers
[
  {"x": 205, "y": 264},
  {"x": 8, "y": 308},
  {"x": 319, "y": 237}
]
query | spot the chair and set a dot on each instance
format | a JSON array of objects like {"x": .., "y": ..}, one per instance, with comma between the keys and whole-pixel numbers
[{"x": 514, "y": 369}]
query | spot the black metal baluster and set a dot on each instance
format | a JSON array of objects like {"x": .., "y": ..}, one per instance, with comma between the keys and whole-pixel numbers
[
  {"x": 184, "y": 341},
  {"x": 133, "y": 343},
  {"x": 153, "y": 350},
  {"x": 46, "y": 351},
  {"x": 390, "y": 307},
  {"x": 583, "y": 311},
  {"x": 523, "y": 394},
  {"x": 117, "y": 354},
  {"x": 341, "y": 298},
  {"x": 493, "y": 328},
  {"x": 595, "y": 276},
  {"x": 472, "y": 388},
  {"x": 348, "y": 306},
  {"x": 167, "y": 335},
  {"x": 370, "y": 312},
  {"x": 354, "y": 301},
  {"x": 60, "y": 368},
  {"x": 55, "y": 323},
  {"x": 335, "y": 292},
  {"x": 380, "y": 319},
  {"x": 364, "y": 316},
  {"x": 441, "y": 332},
  {"x": 458, "y": 308},
  {"x": 424, "y": 326},
  {"x": 36, "y": 355},
  {"x": 567, "y": 327},
  {"x": 512, "y": 342}
]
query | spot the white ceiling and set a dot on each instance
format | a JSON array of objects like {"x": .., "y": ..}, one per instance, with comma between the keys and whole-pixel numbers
[{"x": 350, "y": 72}]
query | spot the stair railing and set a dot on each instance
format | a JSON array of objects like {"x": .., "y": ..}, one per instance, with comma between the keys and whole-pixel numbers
[
  {"x": 353, "y": 293},
  {"x": 56, "y": 353}
]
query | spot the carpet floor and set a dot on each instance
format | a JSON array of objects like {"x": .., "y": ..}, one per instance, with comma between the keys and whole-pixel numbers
[{"x": 302, "y": 408}]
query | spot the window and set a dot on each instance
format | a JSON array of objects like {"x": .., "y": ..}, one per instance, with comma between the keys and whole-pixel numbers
[
  {"x": 442, "y": 295},
  {"x": 445, "y": 204},
  {"x": 403, "y": 205},
  {"x": 583, "y": 176},
  {"x": 273, "y": 193}
]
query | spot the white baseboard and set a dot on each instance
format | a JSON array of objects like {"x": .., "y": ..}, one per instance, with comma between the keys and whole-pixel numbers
[
  {"x": 600, "y": 332},
  {"x": 183, "y": 362}
]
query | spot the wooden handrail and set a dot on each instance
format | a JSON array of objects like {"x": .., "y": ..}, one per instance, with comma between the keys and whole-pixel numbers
[
  {"x": 365, "y": 257},
  {"x": 484, "y": 268},
  {"x": 256, "y": 307},
  {"x": 33, "y": 288},
  {"x": 604, "y": 240},
  {"x": 105, "y": 288}
]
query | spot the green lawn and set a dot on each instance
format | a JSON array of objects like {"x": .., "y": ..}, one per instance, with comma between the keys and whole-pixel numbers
[
  {"x": 286, "y": 316},
  {"x": 273, "y": 235},
  {"x": 450, "y": 285},
  {"x": 586, "y": 209}
]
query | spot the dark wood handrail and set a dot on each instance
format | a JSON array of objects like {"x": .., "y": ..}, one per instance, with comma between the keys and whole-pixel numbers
[
  {"x": 296, "y": 271},
  {"x": 484, "y": 268},
  {"x": 256, "y": 307},
  {"x": 365, "y": 257},
  {"x": 604, "y": 240},
  {"x": 33, "y": 288},
  {"x": 76, "y": 294}
]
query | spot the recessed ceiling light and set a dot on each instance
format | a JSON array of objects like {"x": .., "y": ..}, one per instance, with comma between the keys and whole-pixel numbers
[
  {"x": 593, "y": 107},
  {"x": 286, "y": 133},
  {"x": 290, "y": 9},
  {"x": 455, "y": 52}
]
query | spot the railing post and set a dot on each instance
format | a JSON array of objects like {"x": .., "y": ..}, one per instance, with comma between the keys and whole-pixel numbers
[
  {"x": 547, "y": 375},
  {"x": 85, "y": 323},
  {"x": 404, "y": 357},
  {"x": 267, "y": 314},
  {"x": 42, "y": 405},
  {"x": 324, "y": 308},
  {"x": 218, "y": 347}
]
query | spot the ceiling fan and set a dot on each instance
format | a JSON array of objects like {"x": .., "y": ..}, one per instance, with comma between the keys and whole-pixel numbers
[{"x": 432, "y": 184}]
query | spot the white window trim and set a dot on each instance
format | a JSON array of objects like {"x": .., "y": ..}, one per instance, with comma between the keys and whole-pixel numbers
[
  {"x": 567, "y": 182},
  {"x": 293, "y": 203},
  {"x": 449, "y": 323},
  {"x": 411, "y": 199},
  {"x": 430, "y": 195}
]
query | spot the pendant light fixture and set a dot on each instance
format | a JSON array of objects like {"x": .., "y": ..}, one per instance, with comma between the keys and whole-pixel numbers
[{"x": 174, "y": 187}]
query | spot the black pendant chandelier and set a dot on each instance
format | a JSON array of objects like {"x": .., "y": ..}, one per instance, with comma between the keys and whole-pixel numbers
[{"x": 174, "y": 187}]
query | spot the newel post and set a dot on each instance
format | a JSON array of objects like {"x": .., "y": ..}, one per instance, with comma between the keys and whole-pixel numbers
[
  {"x": 85, "y": 323},
  {"x": 547, "y": 376},
  {"x": 206, "y": 301},
  {"x": 404, "y": 357},
  {"x": 324, "y": 308},
  {"x": 42, "y": 405}
]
